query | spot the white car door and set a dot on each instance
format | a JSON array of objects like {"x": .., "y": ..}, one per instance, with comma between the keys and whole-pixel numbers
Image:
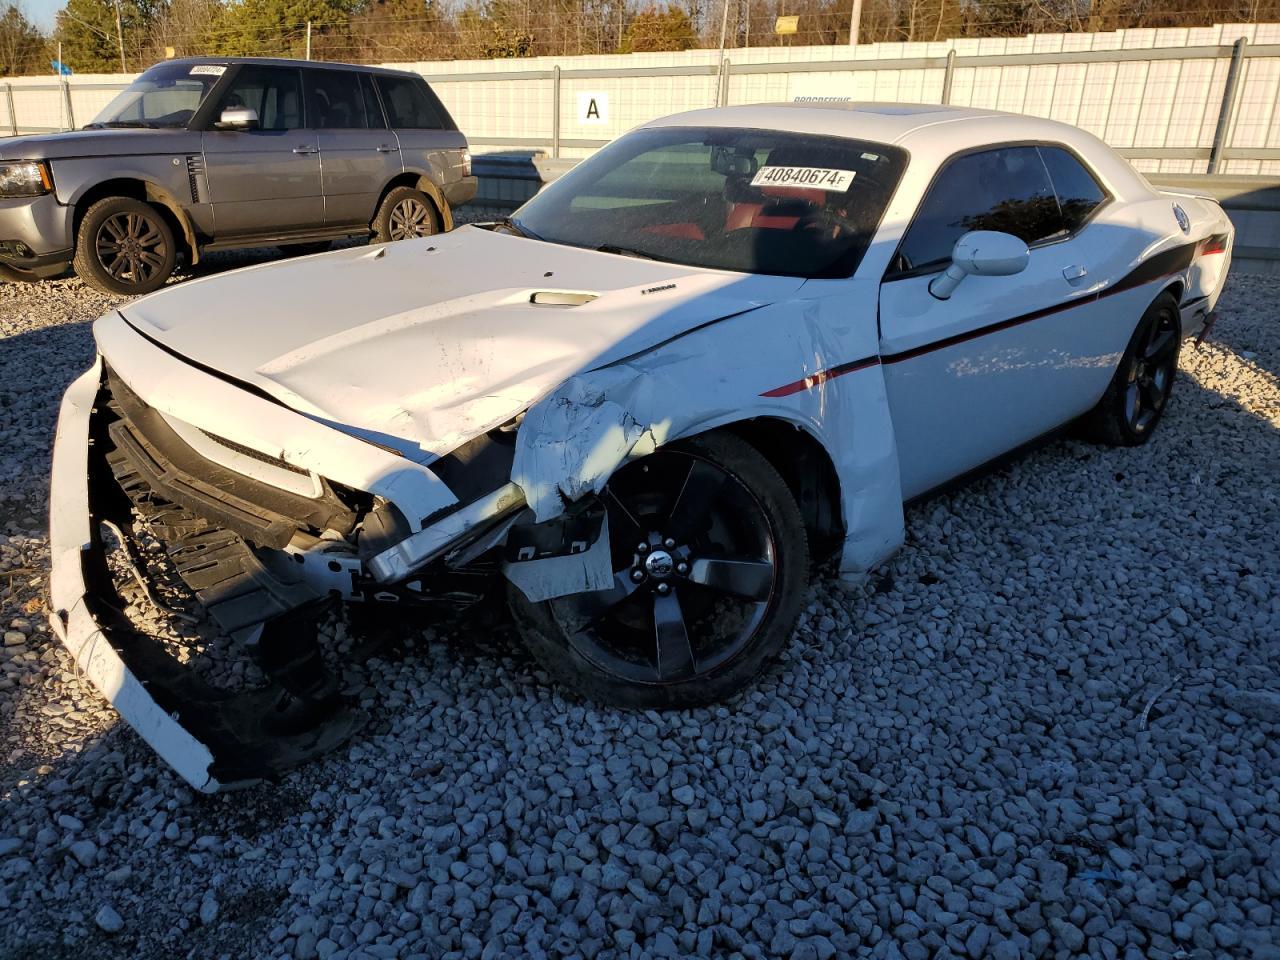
[{"x": 1004, "y": 359}]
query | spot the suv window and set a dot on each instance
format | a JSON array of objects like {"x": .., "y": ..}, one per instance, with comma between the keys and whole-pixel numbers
[
  {"x": 409, "y": 107},
  {"x": 275, "y": 92},
  {"x": 166, "y": 95},
  {"x": 1078, "y": 192},
  {"x": 1007, "y": 190},
  {"x": 334, "y": 100},
  {"x": 372, "y": 108}
]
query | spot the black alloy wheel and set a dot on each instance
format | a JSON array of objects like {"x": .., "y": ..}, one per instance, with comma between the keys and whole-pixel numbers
[
  {"x": 709, "y": 568},
  {"x": 1139, "y": 392},
  {"x": 125, "y": 246},
  {"x": 1151, "y": 370}
]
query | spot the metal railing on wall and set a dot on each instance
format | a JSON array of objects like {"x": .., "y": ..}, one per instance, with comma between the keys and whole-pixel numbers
[
  {"x": 1236, "y": 53},
  {"x": 63, "y": 88}
]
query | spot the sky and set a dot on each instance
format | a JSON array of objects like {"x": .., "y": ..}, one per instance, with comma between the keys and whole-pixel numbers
[{"x": 41, "y": 12}]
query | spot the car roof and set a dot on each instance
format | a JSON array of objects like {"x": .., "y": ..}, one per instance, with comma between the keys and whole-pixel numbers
[
  {"x": 929, "y": 132},
  {"x": 283, "y": 62}
]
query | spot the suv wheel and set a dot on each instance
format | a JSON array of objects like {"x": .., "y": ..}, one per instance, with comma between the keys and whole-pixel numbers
[
  {"x": 124, "y": 246},
  {"x": 405, "y": 213}
]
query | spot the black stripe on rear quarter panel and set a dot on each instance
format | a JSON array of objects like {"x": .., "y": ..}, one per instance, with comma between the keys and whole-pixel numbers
[{"x": 1163, "y": 264}]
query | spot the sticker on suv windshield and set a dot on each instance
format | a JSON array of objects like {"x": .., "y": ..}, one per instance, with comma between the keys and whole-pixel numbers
[
  {"x": 208, "y": 70},
  {"x": 817, "y": 178}
]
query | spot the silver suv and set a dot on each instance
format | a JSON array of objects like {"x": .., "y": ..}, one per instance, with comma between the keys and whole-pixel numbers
[{"x": 211, "y": 154}]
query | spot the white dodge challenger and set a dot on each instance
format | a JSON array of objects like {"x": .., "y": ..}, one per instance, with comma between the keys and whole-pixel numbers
[{"x": 729, "y": 345}]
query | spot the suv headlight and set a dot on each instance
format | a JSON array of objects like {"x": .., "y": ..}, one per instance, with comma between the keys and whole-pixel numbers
[{"x": 25, "y": 178}]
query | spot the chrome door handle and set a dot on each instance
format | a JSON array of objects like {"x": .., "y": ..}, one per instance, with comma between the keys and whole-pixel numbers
[
  {"x": 386, "y": 148},
  {"x": 306, "y": 150},
  {"x": 1074, "y": 272}
]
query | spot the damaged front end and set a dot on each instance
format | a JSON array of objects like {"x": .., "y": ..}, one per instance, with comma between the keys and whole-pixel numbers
[{"x": 256, "y": 550}]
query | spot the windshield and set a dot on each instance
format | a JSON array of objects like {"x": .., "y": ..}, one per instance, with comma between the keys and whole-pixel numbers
[
  {"x": 754, "y": 201},
  {"x": 167, "y": 95}
]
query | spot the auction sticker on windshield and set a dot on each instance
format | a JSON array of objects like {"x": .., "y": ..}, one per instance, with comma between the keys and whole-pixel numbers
[
  {"x": 819, "y": 178},
  {"x": 208, "y": 70}
]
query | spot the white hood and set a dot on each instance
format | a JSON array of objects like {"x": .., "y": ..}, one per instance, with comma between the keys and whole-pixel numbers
[{"x": 437, "y": 340}]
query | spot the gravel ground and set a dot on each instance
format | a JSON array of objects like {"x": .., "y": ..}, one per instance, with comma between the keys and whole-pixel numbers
[{"x": 950, "y": 762}]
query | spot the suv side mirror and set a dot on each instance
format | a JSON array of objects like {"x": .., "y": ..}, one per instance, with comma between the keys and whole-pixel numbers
[
  {"x": 984, "y": 253},
  {"x": 238, "y": 118}
]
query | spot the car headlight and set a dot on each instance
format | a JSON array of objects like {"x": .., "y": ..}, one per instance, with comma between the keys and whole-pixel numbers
[{"x": 25, "y": 178}]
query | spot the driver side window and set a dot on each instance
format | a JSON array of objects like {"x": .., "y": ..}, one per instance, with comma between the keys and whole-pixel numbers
[
  {"x": 274, "y": 92},
  {"x": 1008, "y": 190}
]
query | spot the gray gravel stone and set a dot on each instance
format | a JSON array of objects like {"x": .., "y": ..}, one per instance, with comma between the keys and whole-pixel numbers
[
  {"x": 935, "y": 748},
  {"x": 84, "y": 851},
  {"x": 108, "y": 920}
]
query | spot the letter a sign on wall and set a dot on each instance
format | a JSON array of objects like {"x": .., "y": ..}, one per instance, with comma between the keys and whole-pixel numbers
[{"x": 593, "y": 108}]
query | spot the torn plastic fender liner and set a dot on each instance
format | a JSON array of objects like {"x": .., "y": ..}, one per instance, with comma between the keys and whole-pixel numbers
[{"x": 577, "y": 568}]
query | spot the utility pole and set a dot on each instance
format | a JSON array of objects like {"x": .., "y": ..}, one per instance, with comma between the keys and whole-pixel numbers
[
  {"x": 120, "y": 39},
  {"x": 855, "y": 18},
  {"x": 724, "y": 29},
  {"x": 308, "y": 39},
  {"x": 62, "y": 100}
]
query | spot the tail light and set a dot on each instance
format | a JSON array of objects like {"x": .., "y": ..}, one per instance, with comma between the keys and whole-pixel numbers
[
  {"x": 466, "y": 163},
  {"x": 1215, "y": 244}
]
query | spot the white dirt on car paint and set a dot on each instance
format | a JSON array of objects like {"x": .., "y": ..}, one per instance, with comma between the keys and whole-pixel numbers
[{"x": 950, "y": 755}]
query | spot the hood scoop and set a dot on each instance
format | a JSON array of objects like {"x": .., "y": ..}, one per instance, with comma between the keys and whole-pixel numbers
[{"x": 561, "y": 298}]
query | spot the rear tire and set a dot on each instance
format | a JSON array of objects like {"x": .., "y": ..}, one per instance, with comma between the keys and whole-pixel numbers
[
  {"x": 124, "y": 246},
  {"x": 405, "y": 214},
  {"x": 1138, "y": 394},
  {"x": 708, "y": 604}
]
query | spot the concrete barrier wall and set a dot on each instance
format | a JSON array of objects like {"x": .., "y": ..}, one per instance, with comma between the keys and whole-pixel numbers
[{"x": 1155, "y": 95}]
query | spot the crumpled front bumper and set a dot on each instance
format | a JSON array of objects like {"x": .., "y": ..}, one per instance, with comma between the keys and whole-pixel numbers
[
  {"x": 215, "y": 739},
  {"x": 73, "y": 542}
]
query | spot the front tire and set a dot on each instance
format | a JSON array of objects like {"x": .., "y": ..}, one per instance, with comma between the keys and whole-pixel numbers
[
  {"x": 405, "y": 213},
  {"x": 124, "y": 246},
  {"x": 710, "y": 573},
  {"x": 1138, "y": 394}
]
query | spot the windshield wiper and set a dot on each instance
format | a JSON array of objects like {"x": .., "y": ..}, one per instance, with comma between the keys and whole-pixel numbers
[
  {"x": 515, "y": 226},
  {"x": 628, "y": 252},
  {"x": 144, "y": 124}
]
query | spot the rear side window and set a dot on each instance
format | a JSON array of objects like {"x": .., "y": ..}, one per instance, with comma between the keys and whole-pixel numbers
[
  {"x": 409, "y": 106},
  {"x": 372, "y": 109},
  {"x": 1007, "y": 190},
  {"x": 274, "y": 92},
  {"x": 1078, "y": 192},
  {"x": 334, "y": 100}
]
